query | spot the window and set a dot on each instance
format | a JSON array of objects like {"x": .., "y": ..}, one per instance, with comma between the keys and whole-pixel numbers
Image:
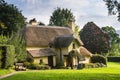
[
  {"x": 41, "y": 61},
  {"x": 73, "y": 46}
]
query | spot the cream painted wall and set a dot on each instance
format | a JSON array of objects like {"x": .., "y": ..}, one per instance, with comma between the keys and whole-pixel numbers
[
  {"x": 37, "y": 60},
  {"x": 87, "y": 60},
  {"x": 54, "y": 60}
]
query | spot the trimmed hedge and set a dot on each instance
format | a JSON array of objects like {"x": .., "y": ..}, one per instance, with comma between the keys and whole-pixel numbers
[
  {"x": 98, "y": 59},
  {"x": 113, "y": 59},
  {"x": 7, "y": 56}
]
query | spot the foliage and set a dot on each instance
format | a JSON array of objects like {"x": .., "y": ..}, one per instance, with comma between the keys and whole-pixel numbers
[
  {"x": 113, "y": 59},
  {"x": 114, "y": 37},
  {"x": 10, "y": 56},
  {"x": 20, "y": 47},
  {"x": 60, "y": 65},
  {"x": 98, "y": 59},
  {"x": 115, "y": 50},
  {"x": 76, "y": 30},
  {"x": 4, "y": 39},
  {"x": 114, "y": 41},
  {"x": 38, "y": 66},
  {"x": 11, "y": 19},
  {"x": 61, "y": 17},
  {"x": 0, "y": 58},
  {"x": 108, "y": 73},
  {"x": 113, "y": 7},
  {"x": 94, "y": 39},
  {"x": 73, "y": 54},
  {"x": 7, "y": 59}
]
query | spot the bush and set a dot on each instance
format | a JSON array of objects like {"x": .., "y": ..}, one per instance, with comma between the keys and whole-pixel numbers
[
  {"x": 38, "y": 67},
  {"x": 98, "y": 59},
  {"x": 89, "y": 65},
  {"x": 60, "y": 65},
  {"x": 29, "y": 59},
  {"x": 97, "y": 65},
  {"x": 27, "y": 64},
  {"x": 113, "y": 59}
]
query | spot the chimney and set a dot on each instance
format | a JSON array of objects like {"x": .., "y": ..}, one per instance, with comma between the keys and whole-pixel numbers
[
  {"x": 33, "y": 22},
  {"x": 72, "y": 24}
]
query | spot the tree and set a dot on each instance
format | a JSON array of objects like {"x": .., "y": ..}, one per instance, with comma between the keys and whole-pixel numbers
[
  {"x": 94, "y": 39},
  {"x": 114, "y": 41},
  {"x": 61, "y": 17},
  {"x": 20, "y": 47},
  {"x": 114, "y": 37},
  {"x": 11, "y": 19},
  {"x": 113, "y": 7}
]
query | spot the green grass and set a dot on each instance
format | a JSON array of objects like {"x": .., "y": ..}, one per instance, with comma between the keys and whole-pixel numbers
[
  {"x": 112, "y": 72},
  {"x": 5, "y": 71}
]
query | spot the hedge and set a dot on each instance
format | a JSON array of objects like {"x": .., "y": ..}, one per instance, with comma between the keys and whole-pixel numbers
[
  {"x": 7, "y": 56},
  {"x": 113, "y": 59},
  {"x": 99, "y": 59}
]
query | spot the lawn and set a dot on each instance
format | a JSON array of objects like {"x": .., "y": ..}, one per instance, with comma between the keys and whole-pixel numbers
[
  {"x": 112, "y": 72},
  {"x": 4, "y": 71}
]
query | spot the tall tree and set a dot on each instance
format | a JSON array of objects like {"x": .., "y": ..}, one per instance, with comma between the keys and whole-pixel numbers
[
  {"x": 61, "y": 17},
  {"x": 94, "y": 39},
  {"x": 114, "y": 37},
  {"x": 11, "y": 19},
  {"x": 113, "y": 7},
  {"x": 114, "y": 40}
]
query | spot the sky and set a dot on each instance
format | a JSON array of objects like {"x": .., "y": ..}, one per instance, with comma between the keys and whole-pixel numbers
[{"x": 83, "y": 10}]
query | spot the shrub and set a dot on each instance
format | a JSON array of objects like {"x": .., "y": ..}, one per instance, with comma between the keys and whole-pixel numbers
[
  {"x": 113, "y": 59},
  {"x": 38, "y": 67},
  {"x": 29, "y": 59},
  {"x": 98, "y": 59},
  {"x": 27, "y": 64},
  {"x": 60, "y": 65},
  {"x": 97, "y": 65},
  {"x": 89, "y": 65}
]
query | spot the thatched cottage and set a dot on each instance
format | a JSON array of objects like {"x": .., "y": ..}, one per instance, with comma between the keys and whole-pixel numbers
[{"x": 51, "y": 44}]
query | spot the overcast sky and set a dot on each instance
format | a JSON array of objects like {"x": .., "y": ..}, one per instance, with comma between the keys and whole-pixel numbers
[{"x": 83, "y": 10}]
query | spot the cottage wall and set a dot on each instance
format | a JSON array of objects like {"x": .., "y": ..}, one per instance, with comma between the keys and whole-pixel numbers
[
  {"x": 44, "y": 59},
  {"x": 87, "y": 60}
]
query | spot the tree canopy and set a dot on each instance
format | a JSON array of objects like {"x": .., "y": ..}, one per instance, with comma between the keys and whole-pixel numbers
[
  {"x": 61, "y": 17},
  {"x": 113, "y": 7},
  {"x": 114, "y": 40},
  {"x": 114, "y": 37},
  {"x": 11, "y": 19},
  {"x": 94, "y": 39}
]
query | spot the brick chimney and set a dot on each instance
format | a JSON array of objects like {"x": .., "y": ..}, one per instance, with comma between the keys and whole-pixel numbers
[{"x": 72, "y": 24}]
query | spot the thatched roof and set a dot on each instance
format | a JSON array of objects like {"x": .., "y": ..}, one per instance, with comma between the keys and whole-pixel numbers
[
  {"x": 64, "y": 41},
  {"x": 42, "y": 52},
  {"x": 41, "y": 36},
  {"x": 84, "y": 51}
]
